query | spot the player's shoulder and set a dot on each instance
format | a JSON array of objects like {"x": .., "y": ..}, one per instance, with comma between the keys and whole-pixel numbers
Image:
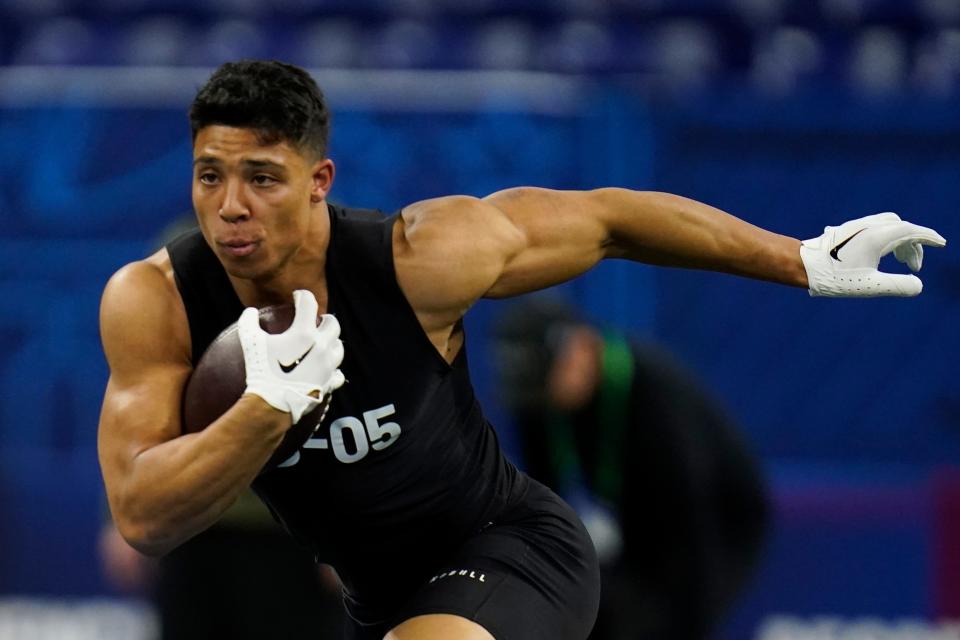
[
  {"x": 465, "y": 206},
  {"x": 454, "y": 219},
  {"x": 150, "y": 277},
  {"x": 142, "y": 288},
  {"x": 143, "y": 323},
  {"x": 443, "y": 209}
]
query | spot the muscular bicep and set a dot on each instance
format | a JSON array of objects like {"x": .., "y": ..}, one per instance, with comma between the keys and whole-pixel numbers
[
  {"x": 146, "y": 343},
  {"x": 450, "y": 252},
  {"x": 564, "y": 232}
]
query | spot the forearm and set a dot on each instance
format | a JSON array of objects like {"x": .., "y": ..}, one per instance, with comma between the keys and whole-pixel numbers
[
  {"x": 669, "y": 230},
  {"x": 177, "y": 489}
]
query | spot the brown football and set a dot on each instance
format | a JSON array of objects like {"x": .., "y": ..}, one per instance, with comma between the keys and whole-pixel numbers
[{"x": 219, "y": 380}]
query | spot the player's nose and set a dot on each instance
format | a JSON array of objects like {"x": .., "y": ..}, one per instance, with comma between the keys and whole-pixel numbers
[{"x": 233, "y": 207}]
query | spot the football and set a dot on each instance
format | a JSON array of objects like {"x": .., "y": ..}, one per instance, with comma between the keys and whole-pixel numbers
[{"x": 219, "y": 380}]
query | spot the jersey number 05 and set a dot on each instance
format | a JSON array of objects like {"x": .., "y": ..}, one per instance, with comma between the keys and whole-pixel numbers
[{"x": 370, "y": 433}]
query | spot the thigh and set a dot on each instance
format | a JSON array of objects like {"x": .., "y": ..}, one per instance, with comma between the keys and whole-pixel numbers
[
  {"x": 532, "y": 575},
  {"x": 438, "y": 626}
]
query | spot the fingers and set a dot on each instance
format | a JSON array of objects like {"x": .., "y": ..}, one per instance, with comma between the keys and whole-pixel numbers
[
  {"x": 925, "y": 235},
  {"x": 252, "y": 339},
  {"x": 335, "y": 382},
  {"x": 899, "y": 285},
  {"x": 249, "y": 320},
  {"x": 891, "y": 236},
  {"x": 335, "y": 352},
  {"x": 328, "y": 334},
  {"x": 877, "y": 218},
  {"x": 306, "y": 307},
  {"x": 329, "y": 328},
  {"x": 911, "y": 254}
]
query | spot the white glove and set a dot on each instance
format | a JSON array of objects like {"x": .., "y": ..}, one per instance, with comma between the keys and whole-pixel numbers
[
  {"x": 295, "y": 370},
  {"x": 843, "y": 261}
]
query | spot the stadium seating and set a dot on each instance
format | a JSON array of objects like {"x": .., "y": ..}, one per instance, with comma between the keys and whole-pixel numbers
[{"x": 875, "y": 47}]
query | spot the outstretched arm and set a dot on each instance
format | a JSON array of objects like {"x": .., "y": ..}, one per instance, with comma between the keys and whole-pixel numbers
[
  {"x": 649, "y": 227},
  {"x": 452, "y": 251}
]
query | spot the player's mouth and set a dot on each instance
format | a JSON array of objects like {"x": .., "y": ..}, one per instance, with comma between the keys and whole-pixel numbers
[{"x": 239, "y": 248}]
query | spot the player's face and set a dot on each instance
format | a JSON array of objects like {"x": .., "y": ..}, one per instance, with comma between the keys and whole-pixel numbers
[{"x": 255, "y": 203}]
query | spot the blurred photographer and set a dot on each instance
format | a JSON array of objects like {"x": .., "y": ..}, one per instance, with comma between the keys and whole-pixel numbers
[{"x": 672, "y": 497}]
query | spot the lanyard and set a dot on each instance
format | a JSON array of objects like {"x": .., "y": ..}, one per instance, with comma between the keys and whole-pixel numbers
[{"x": 617, "y": 371}]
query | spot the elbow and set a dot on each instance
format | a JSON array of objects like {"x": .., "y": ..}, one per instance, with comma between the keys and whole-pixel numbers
[
  {"x": 151, "y": 538},
  {"x": 145, "y": 539}
]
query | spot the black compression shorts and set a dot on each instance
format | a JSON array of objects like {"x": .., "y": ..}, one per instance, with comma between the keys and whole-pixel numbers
[{"x": 530, "y": 575}]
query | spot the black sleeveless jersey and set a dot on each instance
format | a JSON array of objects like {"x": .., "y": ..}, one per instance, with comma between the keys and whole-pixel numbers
[{"x": 405, "y": 466}]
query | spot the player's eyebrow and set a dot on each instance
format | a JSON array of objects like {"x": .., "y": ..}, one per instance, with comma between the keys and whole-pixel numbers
[
  {"x": 250, "y": 163},
  {"x": 263, "y": 164},
  {"x": 208, "y": 160}
]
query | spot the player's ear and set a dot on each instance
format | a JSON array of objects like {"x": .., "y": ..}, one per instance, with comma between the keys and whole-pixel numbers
[{"x": 321, "y": 175}]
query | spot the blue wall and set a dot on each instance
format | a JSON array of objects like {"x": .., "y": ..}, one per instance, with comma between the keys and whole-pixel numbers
[{"x": 849, "y": 380}]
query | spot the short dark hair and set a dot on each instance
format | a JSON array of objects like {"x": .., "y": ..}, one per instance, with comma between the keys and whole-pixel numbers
[{"x": 280, "y": 101}]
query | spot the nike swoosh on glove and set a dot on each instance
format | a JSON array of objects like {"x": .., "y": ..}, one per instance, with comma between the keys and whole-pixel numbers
[
  {"x": 843, "y": 261},
  {"x": 295, "y": 370}
]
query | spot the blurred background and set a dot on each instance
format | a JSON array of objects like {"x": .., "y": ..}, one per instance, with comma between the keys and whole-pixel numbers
[{"x": 792, "y": 114}]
